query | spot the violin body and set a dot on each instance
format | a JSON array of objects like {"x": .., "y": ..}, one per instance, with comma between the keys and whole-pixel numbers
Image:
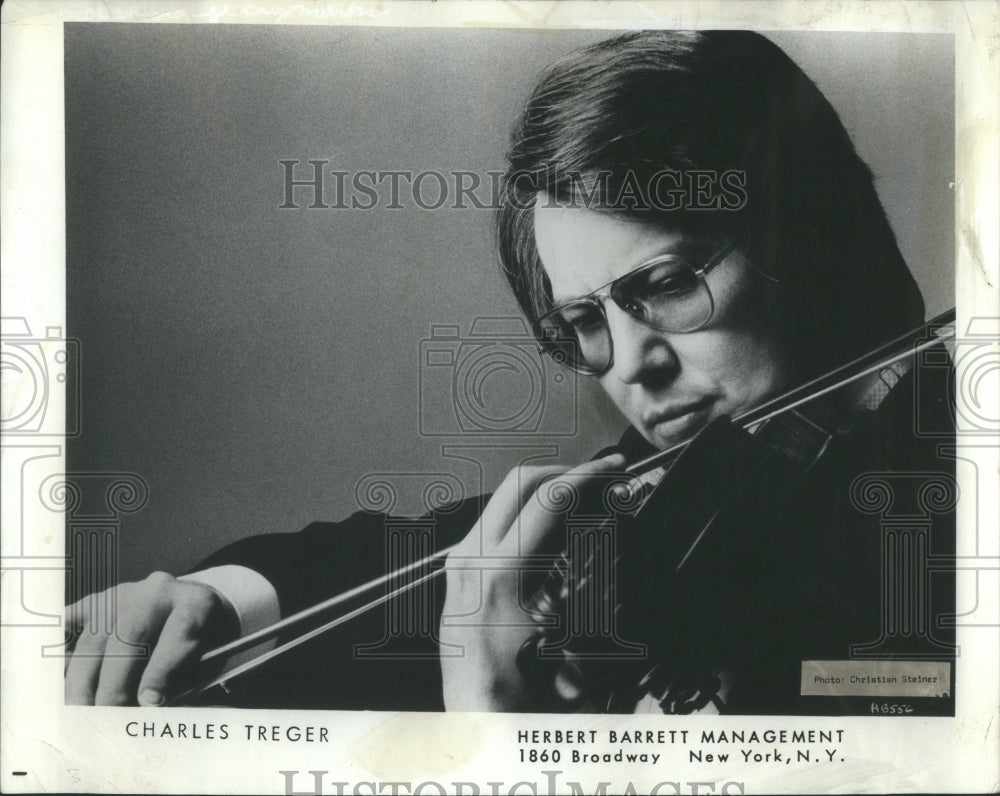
[
  {"x": 752, "y": 555},
  {"x": 680, "y": 567}
]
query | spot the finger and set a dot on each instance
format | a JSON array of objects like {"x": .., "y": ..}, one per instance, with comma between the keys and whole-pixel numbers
[
  {"x": 76, "y": 616},
  {"x": 123, "y": 663},
  {"x": 195, "y": 623},
  {"x": 544, "y": 511},
  {"x": 507, "y": 502},
  {"x": 129, "y": 646},
  {"x": 84, "y": 668}
]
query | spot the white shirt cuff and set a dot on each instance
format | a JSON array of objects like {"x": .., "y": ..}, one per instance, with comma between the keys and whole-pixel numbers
[{"x": 252, "y": 598}]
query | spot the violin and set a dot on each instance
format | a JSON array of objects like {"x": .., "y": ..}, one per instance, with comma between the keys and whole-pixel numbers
[
  {"x": 644, "y": 539},
  {"x": 652, "y": 542}
]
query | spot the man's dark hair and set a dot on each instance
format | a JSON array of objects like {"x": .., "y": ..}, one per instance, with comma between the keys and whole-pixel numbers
[{"x": 604, "y": 120}]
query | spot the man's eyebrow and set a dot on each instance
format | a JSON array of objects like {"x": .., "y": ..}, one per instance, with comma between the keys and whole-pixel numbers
[{"x": 681, "y": 248}]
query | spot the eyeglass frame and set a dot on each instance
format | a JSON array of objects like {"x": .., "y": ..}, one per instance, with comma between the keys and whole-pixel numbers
[{"x": 599, "y": 295}]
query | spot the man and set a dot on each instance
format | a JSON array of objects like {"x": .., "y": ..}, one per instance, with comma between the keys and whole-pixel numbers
[{"x": 686, "y": 221}]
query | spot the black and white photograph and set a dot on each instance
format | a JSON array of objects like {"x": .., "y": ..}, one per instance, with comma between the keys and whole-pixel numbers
[{"x": 486, "y": 398}]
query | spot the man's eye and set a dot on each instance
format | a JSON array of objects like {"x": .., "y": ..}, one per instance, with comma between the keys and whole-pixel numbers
[
  {"x": 667, "y": 281},
  {"x": 582, "y": 320}
]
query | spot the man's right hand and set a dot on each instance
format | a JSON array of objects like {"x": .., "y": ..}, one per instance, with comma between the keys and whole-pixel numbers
[{"x": 145, "y": 650}]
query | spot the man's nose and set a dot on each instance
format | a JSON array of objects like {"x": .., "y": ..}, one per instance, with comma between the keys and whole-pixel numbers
[{"x": 641, "y": 353}]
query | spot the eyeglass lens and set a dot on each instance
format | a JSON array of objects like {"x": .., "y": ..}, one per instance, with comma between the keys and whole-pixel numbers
[{"x": 668, "y": 295}]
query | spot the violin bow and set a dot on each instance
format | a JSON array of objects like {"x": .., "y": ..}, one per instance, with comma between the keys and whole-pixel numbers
[{"x": 906, "y": 345}]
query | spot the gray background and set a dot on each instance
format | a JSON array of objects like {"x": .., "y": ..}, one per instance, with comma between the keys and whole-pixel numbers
[{"x": 252, "y": 364}]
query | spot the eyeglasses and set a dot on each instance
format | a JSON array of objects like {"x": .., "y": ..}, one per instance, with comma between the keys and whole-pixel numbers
[{"x": 666, "y": 293}]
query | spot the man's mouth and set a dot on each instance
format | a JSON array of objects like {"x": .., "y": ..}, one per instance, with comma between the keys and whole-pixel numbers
[{"x": 678, "y": 422}]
